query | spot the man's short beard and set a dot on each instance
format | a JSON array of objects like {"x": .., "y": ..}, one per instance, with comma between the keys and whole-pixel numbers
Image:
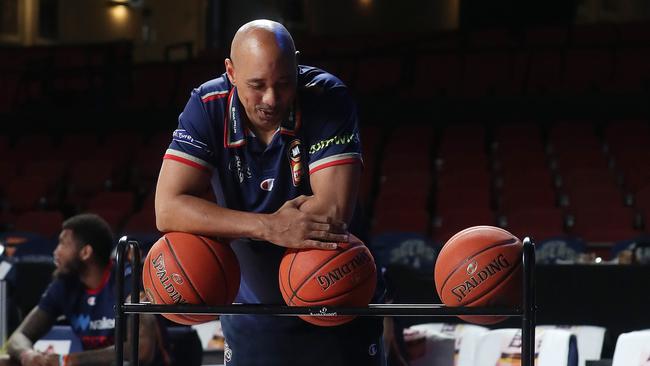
[{"x": 71, "y": 270}]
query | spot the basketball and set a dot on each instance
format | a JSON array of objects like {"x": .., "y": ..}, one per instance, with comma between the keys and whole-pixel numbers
[
  {"x": 342, "y": 277},
  {"x": 182, "y": 268},
  {"x": 480, "y": 266}
]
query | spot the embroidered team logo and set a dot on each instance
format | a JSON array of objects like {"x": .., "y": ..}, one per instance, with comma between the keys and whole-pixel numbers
[{"x": 295, "y": 154}]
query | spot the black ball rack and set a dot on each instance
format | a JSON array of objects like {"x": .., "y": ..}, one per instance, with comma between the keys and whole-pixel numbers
[{"x": 526, "y": 311}]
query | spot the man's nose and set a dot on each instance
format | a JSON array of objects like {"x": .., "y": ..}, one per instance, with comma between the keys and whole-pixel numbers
[{"x": 270, "y": 97}]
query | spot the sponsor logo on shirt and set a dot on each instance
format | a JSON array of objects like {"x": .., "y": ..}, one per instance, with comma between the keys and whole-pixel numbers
[
  {"x": 183, "y": 137},
  {"x": 242, "y": 170},
  {"x": 295, "y": 156},
  {"x": 336, "y": 140},
  {"x": 82, "y": 322}
]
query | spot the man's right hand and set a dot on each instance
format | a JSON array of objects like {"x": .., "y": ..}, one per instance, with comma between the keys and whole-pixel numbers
[
  {"x": 34, "y": 358},
  {"x": 291, "y": 228}
]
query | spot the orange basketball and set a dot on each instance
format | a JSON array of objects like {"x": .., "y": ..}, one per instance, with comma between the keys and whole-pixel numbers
[
  {"x": 182, "y": 268},
  {"x": 342, "y": 277},
  {"x": 480, "y": 266}
]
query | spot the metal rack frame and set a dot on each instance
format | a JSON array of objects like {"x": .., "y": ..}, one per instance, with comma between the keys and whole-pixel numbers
[{"x": 526, "y": 311}]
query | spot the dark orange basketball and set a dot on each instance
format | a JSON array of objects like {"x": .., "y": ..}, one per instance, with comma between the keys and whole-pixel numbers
[
  {"x": 342, "y": 277},
  {"x": 183, "y": 268},
  {"x": 480, "y": 266}
]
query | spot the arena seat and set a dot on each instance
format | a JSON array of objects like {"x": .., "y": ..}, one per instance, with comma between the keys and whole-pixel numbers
[
  {"x": 466, "y": 337},
  {"x": 546, "y": 36},
  {"x": 487, "y": 73},
  {"x": 630, "y": 72},
  {"x": 545, "y": 70},
  {"x": 436, "y": 74},
  {"x": 590, "y": 340},
  {"x": 425, "y": 347},
  {"x": 452, "y": 220},
  {"x": 605, "y": 224},
  {"x": 588, "y": 69},
  {"x": 536, "y": 222},
  {"x": 26, "y": 193},
  {"x": 632, "y": 348},
  {"x": 368, "y": 82},
  {"x": 600, "y": 34},
  {"x": 554, "y": 347},
  {"x": 46, "y": 223}
]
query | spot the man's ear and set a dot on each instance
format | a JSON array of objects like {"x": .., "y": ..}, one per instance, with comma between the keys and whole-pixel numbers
[
  {"x": 86, "y": 252},
  {"x": 230, "y": 71}
]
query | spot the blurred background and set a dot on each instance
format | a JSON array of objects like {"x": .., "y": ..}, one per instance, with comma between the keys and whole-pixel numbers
[{"x": 532, "y": 116}]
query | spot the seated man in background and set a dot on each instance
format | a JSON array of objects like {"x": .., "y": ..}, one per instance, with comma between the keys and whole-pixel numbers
[{"x": 83, "y": 290}]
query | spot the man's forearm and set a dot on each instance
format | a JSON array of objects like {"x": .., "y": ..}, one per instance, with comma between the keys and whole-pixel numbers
[
  {"x": 99, "y": 357},
  {"x": 196, "y": 215}
]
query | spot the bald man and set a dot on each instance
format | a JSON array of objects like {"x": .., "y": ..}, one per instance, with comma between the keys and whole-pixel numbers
[{"x": 279, "y": 144}]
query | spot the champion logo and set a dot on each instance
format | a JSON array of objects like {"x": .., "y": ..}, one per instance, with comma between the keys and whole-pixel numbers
[
  {"x": 91, "y": 300},
  {"x": 267, "y": 184},
  {"x": 372, "y": 350}
]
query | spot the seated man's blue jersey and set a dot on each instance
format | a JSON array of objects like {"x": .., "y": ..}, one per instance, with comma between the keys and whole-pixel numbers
[
  {"x": 90, "y": 312},
  {"x": 321, "y": 131}
]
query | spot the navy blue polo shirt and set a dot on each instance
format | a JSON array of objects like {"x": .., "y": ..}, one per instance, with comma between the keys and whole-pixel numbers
[
  {"x": 321, "y": 131},
  {"x": 90, "y": 312}
]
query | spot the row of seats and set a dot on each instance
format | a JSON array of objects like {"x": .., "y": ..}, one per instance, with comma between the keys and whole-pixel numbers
[
  {"x": 555, "y": 60},
  {"x": 442, "y": 344},
  {"x": 582, "y": 179},
  {"x": 565, "y": 178}
]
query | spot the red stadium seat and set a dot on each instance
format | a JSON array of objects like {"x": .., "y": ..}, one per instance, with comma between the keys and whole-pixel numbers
[
  {"x": 487, "y": 73},
  {"x": 604, "y": 224},
  {"x": 490, "y": 38},
  {"x": 121, "y": 201},
  {"x": 87, "y": 178},
  {"x": 409, "y": 220},
  {"x": 74, "y": 147},
  {"x": 153, "y": 86},
  {"x": 192, "y": 75},
  {"x": 642, "y": 201},
  {"x": 631, "y": 73},
  {"x": 521, "y": 197},
  {"x": 52, "y": 172},
  {"x": 588, "y": 68},
  {"x": 477, "y": 197},
  {"x": 46, "y": 223},
  {"x": 538, "y": 222},
  {"x": 144, "y": 221},
  {"x": 597, "y": 196},
  {"x": 114, "y": 217},
  {"x": 594, "y": 35},
  {"x": 436, "y": 74},
  {"x": 449, "y": 222},
  {"x": 546, "y": 36},
  {"x": 379, "y": 75},
  {"x": 545, "y": 71},
  {"x": 24, "y": 149},
  {"x": 26, "y": 193}
]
